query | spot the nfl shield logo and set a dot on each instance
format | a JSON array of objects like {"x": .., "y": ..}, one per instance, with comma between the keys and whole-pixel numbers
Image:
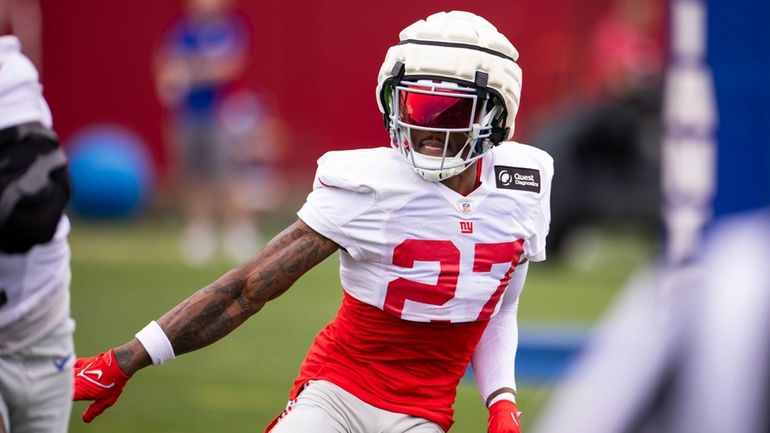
[{"x": 465, "y": 207}]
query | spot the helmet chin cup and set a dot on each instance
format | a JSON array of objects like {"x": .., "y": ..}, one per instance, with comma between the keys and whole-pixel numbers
[{"x": 423, "y": 165}]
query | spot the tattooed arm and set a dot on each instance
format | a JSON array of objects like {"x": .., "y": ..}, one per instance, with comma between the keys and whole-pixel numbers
[{"x": 217, "y": 309}]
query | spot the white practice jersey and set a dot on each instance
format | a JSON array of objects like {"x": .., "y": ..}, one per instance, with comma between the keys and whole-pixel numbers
[
  {"x": 36, "y": 287},
  {"x": 419, "y": 250},
  {"x": 21, "y": 95}
]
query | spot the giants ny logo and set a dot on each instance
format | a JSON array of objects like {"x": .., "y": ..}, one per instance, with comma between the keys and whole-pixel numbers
[{"x": 466, "y": 227}]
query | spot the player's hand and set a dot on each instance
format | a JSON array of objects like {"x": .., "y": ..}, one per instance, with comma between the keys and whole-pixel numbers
[
  {"x": 503, "y": 418},
  {"x": 98, "y": 379}
]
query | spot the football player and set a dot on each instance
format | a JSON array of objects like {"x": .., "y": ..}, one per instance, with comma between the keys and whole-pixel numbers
[
  {"x": 36, "y": 349},
  {"x": 434, "y": 235}
]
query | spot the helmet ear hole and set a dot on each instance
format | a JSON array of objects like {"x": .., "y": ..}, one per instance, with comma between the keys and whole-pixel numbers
[
  {"x": 502, "y": 113},
  {"x": 492, "y": 102}
]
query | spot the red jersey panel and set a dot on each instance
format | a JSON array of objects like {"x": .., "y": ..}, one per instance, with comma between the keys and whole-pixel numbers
[{"x": 393, "y": 364}]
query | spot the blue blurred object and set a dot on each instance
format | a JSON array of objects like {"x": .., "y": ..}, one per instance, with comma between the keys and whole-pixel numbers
[
  {"x": 546, "y": 351},
  {"x": 112, "y": 172}
]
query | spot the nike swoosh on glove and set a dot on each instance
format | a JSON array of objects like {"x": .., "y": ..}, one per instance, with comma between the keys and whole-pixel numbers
[
  {"x": 98, "y": 379},
  {"x": 503, "y": 418}
]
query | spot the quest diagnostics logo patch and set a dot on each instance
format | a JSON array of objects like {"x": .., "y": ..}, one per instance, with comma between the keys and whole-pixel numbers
[{"x": 524, "y": 179}]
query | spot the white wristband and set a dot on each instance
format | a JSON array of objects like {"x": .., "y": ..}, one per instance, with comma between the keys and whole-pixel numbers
[
  {"x": 503, "y": 396},
  {"x": 156, "y": 343}
]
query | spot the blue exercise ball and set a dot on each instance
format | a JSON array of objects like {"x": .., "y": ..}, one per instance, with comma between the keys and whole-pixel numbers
[{"x": 111, "y": 170}]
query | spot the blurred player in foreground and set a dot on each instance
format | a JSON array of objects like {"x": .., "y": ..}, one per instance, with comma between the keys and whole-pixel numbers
[
  {"x": 36, "y": 350},
  {"x": 434, "y": 233},
  {"x": 686, "y": 348}
]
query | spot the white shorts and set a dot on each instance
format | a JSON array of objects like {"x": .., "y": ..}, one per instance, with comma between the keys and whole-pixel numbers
[
  {"x": 36, "y": 384},
  {"x": 324, "y": 407}
]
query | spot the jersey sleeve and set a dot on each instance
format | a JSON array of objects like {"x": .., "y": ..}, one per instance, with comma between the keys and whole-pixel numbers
[
  {"x": 541, "y": 213},
  {"x": 335, "y": 205},
  {"x": 494, "y": 358}
]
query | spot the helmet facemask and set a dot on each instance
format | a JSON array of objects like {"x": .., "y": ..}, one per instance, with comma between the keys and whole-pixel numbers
[
  {"x": 470, "y": 59},
  {"x": 459, "y": 119}
]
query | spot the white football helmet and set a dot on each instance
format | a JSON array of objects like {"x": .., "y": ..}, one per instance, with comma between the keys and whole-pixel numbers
[{"x": 450, "y": 73}]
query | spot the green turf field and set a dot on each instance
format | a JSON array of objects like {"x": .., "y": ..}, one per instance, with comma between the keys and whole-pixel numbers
[{"x": 126, "y": 275}]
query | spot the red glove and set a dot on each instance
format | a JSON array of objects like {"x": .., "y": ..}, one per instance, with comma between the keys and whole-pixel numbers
[
  {"x": 503, "y": 418},
  {"x": 99, "y": 379}
]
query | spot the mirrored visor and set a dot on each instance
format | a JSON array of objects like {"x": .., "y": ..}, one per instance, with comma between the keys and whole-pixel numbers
[{"x": 436, "y": 110}]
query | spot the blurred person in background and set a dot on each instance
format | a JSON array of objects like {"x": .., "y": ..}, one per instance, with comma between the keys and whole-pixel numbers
[
  {"x": 625, "y": 54},
  {"x": 255, "y": 137},
  {"x": 36, "y": 346},
  {"x": 606, "y": 143},
  {"x": 435, "y": 234},
  {"x": 199, "y": 62}
]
